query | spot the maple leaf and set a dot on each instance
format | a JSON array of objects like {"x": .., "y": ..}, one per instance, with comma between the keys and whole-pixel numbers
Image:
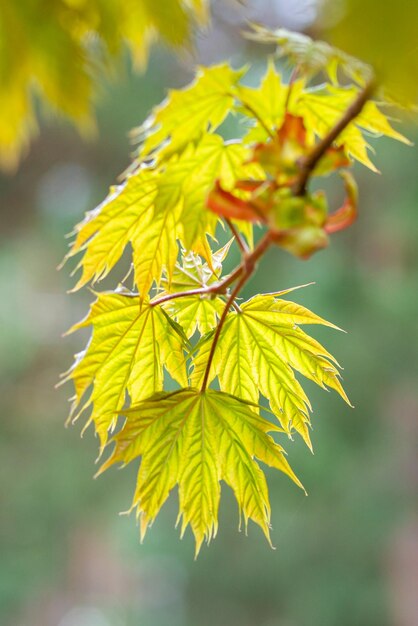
[
  {"x": 260, "y": 346},
  {"x": 322, "y": 107},
  {"x": 188, "y": 112},
  {"x": 130, "y": 344},
  {"x": 265, "y": 104},
  {"x": 311, "y": 57},
  {"x": 195, "y": 312},
  {"x": 195, "y": 439},
  {"x": 189, "y": 179},
  {"x": 153, "y": 209}
]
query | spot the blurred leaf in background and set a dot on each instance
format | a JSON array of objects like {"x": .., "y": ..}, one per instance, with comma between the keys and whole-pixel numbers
[
  {"x": 53, "y": 50},
  {"x": 382, "y": 33}
]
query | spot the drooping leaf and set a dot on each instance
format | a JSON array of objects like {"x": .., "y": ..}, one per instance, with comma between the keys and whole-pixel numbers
[
  {"x": 130, "y": 344},
  {"x": 195, "y": 439},
  {"x": 126, "y": 216}
]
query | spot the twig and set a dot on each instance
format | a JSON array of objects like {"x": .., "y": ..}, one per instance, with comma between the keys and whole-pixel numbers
[
  {"x": 309, "y": 163},
  {"x": 248, "y": 268},
  {"x": 216, "y": 288},
  {"x": 220, "y": 287}
]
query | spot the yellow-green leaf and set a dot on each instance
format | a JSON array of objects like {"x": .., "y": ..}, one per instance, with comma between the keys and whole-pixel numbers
[
  {"x": 310, "y": 57},
  {"x": 195, "y": 312},
  {"x": 154, "y": 209},
  {"x": 195, "y": 439},
  {"x": 265, "y": 104},
  {"x": 188, "y": 112},
  {"x": 322, "y": 108},
  {"x": 130, "y": 344},
  {"x": 258, "y": 350}
]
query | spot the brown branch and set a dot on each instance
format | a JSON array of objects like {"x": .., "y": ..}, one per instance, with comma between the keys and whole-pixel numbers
[
  {"x": 248, "y": 267},
  {"x": 309, "y": 163},
  {"x": 215, "y": 288},
  {"x": 220, "y": 287}
]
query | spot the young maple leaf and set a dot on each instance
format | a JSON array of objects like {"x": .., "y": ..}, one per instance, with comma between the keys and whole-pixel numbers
[
  {"x": 195, "y": 439},
  {"x": 260, "y": 346},
  {"x": 130, "y": 344}
]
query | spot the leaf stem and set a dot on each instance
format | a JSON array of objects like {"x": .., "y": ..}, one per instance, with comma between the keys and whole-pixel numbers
[
  {"x": 215, "y": 288},
  {"x": 254, "y": 113},
  {"x": 309, "y": 163},
  {"x": 247, "y": 268},
  {"x": 293, "y": 77},
  {"x": 240, "y": 241}
]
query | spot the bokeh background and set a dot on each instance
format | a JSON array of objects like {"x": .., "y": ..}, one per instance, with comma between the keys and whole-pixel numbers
[{"x": 345, "y": 556}]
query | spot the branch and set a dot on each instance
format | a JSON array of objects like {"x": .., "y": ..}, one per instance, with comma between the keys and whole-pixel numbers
[
  {"x": 309, "y": 163},
  {"x": 248, "y": 268},
  {"x": 220, "y": 287}
]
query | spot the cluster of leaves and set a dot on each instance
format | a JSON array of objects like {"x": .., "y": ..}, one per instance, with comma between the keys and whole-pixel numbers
[
  {"x": 53, "y": 49},
  {"x": 181, "y": 317}
]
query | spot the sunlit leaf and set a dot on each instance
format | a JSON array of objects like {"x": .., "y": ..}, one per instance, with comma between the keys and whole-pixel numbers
[
  {"x": 153, "y": 209},
  {"x": 130, "y": 345},
  {"x": 195, "y": 439},
  {"x": 196, "y": 312},
  {"x": 188, "y": 113},
  {"x": 264, "y": 104},
  {"x": 259, "y": 348},
  {"x": 321, "y": 108}
]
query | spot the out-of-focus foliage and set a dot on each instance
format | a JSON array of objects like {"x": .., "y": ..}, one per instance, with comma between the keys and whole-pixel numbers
[
  {"x": 53, "y": 50},
  {"x": 382, "y": 33},
  {"x": 311, "y": 57}
]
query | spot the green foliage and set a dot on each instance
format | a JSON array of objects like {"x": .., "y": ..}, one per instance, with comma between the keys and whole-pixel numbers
[
  {"x": 182, "y": 317},
  {"x": 52, "y": 50}
]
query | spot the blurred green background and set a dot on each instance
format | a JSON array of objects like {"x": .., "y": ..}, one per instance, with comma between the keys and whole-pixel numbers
[{"x": 345, "y": 556}]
